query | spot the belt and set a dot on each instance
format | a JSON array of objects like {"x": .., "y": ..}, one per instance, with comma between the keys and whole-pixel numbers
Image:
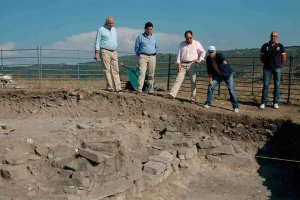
[
  {"x": 146, "y": 54},
  {"x": 187, "y": 62},
  {"x": 108, "y": 49}
]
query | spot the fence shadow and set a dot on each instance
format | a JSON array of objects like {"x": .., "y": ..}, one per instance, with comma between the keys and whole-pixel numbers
[{"x": 281, "y": 177}]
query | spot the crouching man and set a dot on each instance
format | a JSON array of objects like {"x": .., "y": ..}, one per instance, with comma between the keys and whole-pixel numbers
[{"x": 218, "y": 70}]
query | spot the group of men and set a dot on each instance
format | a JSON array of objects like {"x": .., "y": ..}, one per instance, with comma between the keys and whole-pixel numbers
[{"x": 190, "y": 54}]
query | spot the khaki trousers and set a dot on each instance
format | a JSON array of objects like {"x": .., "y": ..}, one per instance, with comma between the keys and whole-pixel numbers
[
  {"x": 146, "y": 63},
  {"x": 111, "y": 69},
  {"x": 192, "y": 70}
]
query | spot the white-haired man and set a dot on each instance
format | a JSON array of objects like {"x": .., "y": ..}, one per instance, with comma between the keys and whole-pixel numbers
[{"x": 106, "y": 47}]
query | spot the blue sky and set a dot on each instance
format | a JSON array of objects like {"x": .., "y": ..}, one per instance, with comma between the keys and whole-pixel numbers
[{"x": 71, "y": 24}]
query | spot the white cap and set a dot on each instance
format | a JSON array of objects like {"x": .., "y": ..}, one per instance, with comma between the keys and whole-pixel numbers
[{"x": 211, "y": 49}]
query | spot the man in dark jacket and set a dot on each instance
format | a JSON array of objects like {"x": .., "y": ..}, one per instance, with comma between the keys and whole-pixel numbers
[{"x": 218, "y": 70}]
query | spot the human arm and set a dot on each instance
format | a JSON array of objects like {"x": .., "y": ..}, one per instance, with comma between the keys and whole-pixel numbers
[
  {"x": 179, "y": 58},
  {"x": 201, "y": 53},
  {"x": 210, "y": 79},
  {"x": 97, "y": 45},
  {"x": 137, "y": 46},
  {"x": 283, "y": 58}
]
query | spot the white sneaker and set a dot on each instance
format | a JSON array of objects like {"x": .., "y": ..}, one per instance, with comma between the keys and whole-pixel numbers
[
  {"x": 262, "y": 106},
  {"x": 236, "y": 110},
  {"x": 206, "y": 106},
  {"x": 276, "y": 106}
]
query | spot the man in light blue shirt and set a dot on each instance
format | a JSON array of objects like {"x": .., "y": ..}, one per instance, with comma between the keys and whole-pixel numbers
[
  {"x": 145, "y": 47},
  {"x": 105, "y": 47}
]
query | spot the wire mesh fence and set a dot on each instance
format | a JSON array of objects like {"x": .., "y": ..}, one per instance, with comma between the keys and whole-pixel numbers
[{"x": 56, "y": 68}]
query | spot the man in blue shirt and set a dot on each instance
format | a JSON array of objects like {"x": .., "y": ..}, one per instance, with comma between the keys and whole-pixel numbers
[
  {"x": 145, "y": 47},
  {"x": 106, "y": 47},
  {"x": 272, "y": 56}
]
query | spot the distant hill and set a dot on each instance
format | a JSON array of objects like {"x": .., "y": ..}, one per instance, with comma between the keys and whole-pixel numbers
[
  {"x": 239, "y": 58},
  {"x": 292, "y": 50}
]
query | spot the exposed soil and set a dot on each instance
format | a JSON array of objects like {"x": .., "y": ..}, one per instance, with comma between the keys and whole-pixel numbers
[{"x": 39, "y": 128}]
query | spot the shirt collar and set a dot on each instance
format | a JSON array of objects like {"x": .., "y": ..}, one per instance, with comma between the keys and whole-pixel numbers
[
  {"x": 144, "y": 34},
  {"x": 275, "y": 43},
  {"x": 105, "y": 26}
]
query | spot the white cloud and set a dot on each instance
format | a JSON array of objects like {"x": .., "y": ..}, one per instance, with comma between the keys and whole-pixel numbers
[
  {"x": 167, "y": 43},
  {"x": 7, "y": 46}
]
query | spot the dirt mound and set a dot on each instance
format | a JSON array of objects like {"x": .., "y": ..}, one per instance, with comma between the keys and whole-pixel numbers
[{"x": 95, "y": 144}]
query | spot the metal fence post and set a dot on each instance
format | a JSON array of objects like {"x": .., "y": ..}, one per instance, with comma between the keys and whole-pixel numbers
[
  {"x": 2, "y": 61},
  {"x": 78, "y": 69},
  {"x": 252, "y": 82},
  {"x": 38, "y": 63},
  {"x": 169, "y": 73},
  {"x": 290, "y": 79},
  {"x": 40, "y": 67}
]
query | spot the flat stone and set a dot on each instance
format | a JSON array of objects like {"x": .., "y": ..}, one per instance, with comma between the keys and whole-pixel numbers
[
  {"x": 204, "y": 144},
  {"x": 183, "y": 143},
  {"x": 223, "y": 150},
  {"x": 70, "y": 189},
  {"x": 110, "y": 166},
  {"x": 41, "y": 150},
  {"x": 81, "y": 179},
  {"x": 239, "y": 160},
  {"x": 172, "y": 135},
  {"x": 213, "y": 159},
  {"x": 95, "y": 156},
  {"x": 110, "y": 188},
  {"x": 111, "y": 147},
  {"x": 65, "y": 173},
  {"x": 171, "y": 128},
  {"x": 154, "y": 168},
  {"x": 165, "y": 160},
  {"x": 152, "y": 180},
  {"x": 46, "y": 188},
  {"x": 15, "y": 157},
  {"x": 60, "y": 162},
  {"x": 162, "y": 144},
  {"x": 167, "y": 154},
  {"x": 73, "y": 165},
  {"x": 62, "y": 151},
  {"x": 188, "y": 153}
]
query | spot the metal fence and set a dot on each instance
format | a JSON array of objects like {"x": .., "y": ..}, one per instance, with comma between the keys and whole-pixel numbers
[{"x": 56, "y": 68}]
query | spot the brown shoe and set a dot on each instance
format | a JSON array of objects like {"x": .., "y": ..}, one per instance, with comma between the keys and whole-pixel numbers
[
  {"x": 168, "y": 96},
  {"x": 138, "y": 92}
]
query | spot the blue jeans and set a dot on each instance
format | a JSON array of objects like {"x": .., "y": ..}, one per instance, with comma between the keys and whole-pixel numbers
[
  {"x": 230, "y": 85},
  {"x": 267, "y": 74}
]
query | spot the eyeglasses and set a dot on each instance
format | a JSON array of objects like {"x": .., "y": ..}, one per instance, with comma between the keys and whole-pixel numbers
[{"x": 274, "y": 36}]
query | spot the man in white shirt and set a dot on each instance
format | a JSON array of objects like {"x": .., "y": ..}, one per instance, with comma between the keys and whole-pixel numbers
[{"x": 190, "y": 53}]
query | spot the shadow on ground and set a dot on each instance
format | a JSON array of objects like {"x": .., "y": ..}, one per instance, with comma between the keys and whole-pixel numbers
[{"x": 281, "y": 177}]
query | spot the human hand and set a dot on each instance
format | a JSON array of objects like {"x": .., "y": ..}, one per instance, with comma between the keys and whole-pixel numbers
[
  {"x": 96, "y": 56},
  {"x": 179, "y": 67}
]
